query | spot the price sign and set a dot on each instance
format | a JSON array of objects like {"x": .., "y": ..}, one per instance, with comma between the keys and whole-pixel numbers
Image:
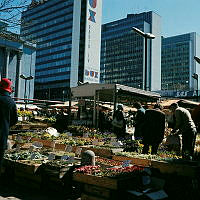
[
  {"x": 33, "y": 156},
  {"x": 37, "y": 144},
  {"x": 69, "y": 148},
  {"x": 116, "y": 144},
  {"x": 126, "y": 163},
  {"x": 18, "y": 138},
  {"x": 51, "y": 156},
  {"x": 28, "y": 139},
  {"x": 17, "y": 147},
  {"x": 85, "y": 135},
  {"x": 65, "y": 157},
  {"x": 71, "y": 159},
  {"x": 69, "y": 134},
  {"x": 31, "y": 148},
  {"x": 113, "y": 140},
  {"x": 95, "y": 142},
  {"x": 78, "y": 151}
]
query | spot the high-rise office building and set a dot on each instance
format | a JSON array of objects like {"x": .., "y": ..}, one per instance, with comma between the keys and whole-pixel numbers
[
  {"x": 123, "y": 52},
  {"x": 68, "y": 36},
  {"x": 17, "y": 59},
  {"x": 178, "y": 64}
]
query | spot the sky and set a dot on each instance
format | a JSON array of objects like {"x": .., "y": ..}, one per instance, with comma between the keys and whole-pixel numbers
[{"x": 177, "y": 16}]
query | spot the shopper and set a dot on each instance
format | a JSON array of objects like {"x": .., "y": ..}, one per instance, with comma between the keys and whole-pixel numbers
[
  {"x": 185, "y": 126},
  {"x": 195, "y": 114},
  {"x": 119, "y": 123},
  {"x": 139, "y": 120},
  {"x": 8, "y": 115},
  {"x": 153, "y": 129}
]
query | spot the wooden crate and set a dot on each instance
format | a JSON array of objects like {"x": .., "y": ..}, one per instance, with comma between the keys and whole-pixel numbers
[
  {"x": 26, "y": 167},
  {"x": 179, "y": 169},
  {"x": 46, "y": 143},
  {"x": 31, "y": 177},
  {"x": 103, "y": 152},
  {"x": 107, "y": 182},
  {"x": 60, "y": 147},
  {"x": 134, "y": 161}
]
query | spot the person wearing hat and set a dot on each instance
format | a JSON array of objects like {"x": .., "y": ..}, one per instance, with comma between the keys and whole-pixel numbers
[
  {"x": 186, "y": 127},
  {"x": 8, "y": 115}
]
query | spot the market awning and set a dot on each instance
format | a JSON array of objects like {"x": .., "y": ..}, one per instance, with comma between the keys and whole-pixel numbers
[{"x": 106, "y": 92}]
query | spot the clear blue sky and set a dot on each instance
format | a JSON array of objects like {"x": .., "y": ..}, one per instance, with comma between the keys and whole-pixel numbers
[{"x": 177, "y": 16}]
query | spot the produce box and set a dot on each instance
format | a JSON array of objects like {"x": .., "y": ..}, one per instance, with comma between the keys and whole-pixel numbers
[
  {"x": 27, "y": 166},
  {"x": 46, "y": 143},
  {"x": 182, "y": 169},
  {"x": 134, "y": 161},
  {"x": 104, "y": 152},
  {"x": 106, "y": 182},
  {"x": 26, "y": 174}
]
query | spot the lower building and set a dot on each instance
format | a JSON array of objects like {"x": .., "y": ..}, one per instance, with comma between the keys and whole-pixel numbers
[{"x": 17, "y": 62}]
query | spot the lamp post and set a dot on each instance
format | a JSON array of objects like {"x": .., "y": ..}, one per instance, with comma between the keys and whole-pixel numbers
[
  {"x": 26, "y": 79},
  {"x": 197, "y": 59},
  {"x": 146, "y": 36},
  {"x": 196, "y": 77}
]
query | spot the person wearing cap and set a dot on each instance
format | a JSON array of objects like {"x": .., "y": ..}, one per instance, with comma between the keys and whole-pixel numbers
[
  {"x": 8, "y": 115},
  {"x": 186, "y": 127}
]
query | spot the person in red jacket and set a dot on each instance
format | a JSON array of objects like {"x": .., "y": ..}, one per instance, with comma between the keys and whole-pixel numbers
[{"x": 8, "y": 115}]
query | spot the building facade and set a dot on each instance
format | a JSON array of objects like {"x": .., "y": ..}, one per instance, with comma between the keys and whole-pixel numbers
[
  {"x": 17, "y": 58},
  {"x": 178, "y": 64},
  {"x": 123, "y": 52},
  {"x": 67, "y": 33}
]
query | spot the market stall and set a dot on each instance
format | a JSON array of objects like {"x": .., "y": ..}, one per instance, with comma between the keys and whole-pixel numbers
[{"x": 111, "y": 94}]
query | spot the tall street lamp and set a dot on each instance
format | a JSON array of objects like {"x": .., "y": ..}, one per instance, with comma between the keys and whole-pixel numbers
[
  {"x": 26, "y": 79},
  {"x": 196, "y": 77},
  {"x": 146, "y": 36},
  {"x": 197, "y": 59}
]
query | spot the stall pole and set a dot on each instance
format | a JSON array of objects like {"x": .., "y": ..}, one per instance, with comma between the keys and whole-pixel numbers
[
  {"x": 115, "y": 98},
  {"x": 70, "y": 105},
  {"x": 97, "y": 109},
  {"x": 94, "y": 111}
]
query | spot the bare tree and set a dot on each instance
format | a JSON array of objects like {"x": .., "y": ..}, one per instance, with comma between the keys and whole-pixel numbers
[{"x": 10, "y": 12}]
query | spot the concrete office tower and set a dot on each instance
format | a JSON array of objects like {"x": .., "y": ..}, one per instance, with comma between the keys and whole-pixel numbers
[
  {"x": 123, "y": 51},
  {"x": 17, "y": 57},
  {"x": 178, "y": 64},
  {"x": 68, "y": 36}
]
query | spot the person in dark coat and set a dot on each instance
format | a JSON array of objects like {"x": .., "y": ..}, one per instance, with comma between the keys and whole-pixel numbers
[
  {"x": 139, "y": 120},
  {"x": 153, "y": 129},
  {"x": 8, "y": 115},
  {"x": 119, "y": 130}
]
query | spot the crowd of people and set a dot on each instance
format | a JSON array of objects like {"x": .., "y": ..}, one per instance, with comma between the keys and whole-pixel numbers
[{"x": 150, "y": 126}]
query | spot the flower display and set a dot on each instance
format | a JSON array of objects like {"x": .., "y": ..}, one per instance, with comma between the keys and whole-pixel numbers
[{"x": 110, "y": 172}]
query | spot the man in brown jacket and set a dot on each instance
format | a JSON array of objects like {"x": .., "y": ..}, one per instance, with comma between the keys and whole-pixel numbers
[{"x": 187, "y": 128}]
